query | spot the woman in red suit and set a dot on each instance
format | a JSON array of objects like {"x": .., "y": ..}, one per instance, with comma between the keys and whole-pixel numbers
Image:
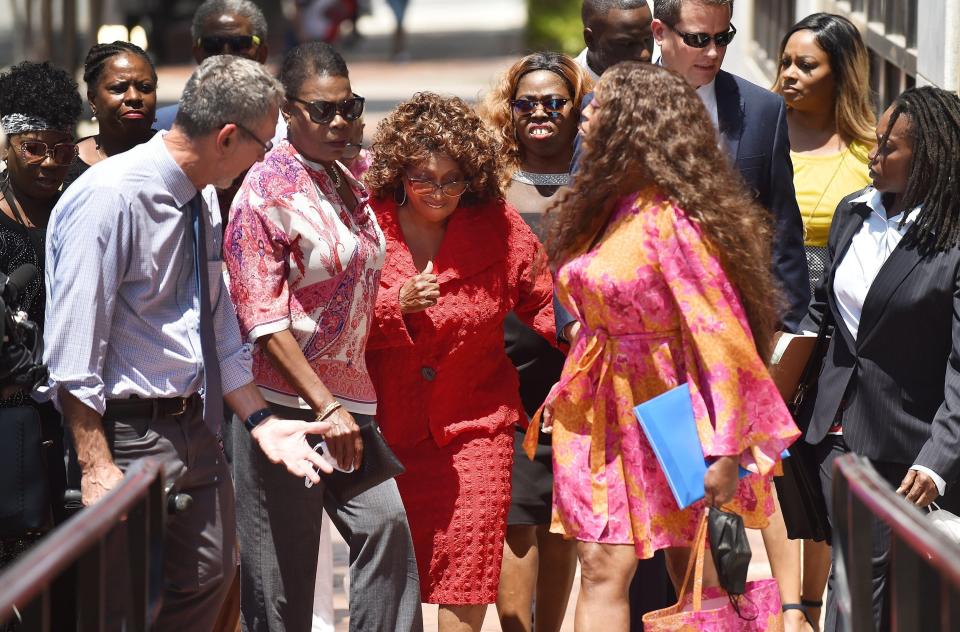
[{"x": 459, "y": 259}]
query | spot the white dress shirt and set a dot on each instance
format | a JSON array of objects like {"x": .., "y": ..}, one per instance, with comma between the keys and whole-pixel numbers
[
  {"x": 708, "y": 94},
  {"x": 869, "y": 250},
  {"x": 123, "y": 312},
  {"x": 581, "y": 60}
]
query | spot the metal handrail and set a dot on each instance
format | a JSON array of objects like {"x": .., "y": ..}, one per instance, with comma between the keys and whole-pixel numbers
[
  {"x": 923, "y": 579},
  {"x": 31, "y": 575}
]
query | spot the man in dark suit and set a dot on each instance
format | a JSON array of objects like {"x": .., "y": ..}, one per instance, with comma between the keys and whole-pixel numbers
[{"x": 751, "y": 121}]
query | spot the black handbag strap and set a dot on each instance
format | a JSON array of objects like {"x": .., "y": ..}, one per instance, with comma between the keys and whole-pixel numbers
[{"x": 811, "y": 370}]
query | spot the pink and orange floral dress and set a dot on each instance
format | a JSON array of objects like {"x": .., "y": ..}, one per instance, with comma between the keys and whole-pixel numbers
[{"x": 657, "y": 310}]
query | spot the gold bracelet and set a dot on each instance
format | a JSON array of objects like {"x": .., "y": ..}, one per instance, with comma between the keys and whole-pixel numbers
[{"x": 328, "y": 410}]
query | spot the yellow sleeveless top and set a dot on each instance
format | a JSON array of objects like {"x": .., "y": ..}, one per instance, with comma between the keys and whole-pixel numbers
[{"x": 822, "y": 181}]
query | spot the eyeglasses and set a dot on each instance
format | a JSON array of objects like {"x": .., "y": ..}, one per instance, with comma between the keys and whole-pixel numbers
[
  {"x": 700, "y": 40},
  {"x": 35, "y": 152},
  {"x": 266, "y": 146},
  {"x": 425, "y": 187},
  {"x": 550, "y": 105},
  {"x": 323, "y": 111},
  {"x": 217, "y": 44}
]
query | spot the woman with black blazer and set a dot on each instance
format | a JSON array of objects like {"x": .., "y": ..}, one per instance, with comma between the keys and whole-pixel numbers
[{"x": 889, "y": 388}]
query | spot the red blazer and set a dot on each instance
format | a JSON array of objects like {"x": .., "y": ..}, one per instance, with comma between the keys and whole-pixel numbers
[{"x": 444, "y": 371}]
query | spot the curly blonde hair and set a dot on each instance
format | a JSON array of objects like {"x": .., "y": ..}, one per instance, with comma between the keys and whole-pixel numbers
[
  {"x": 652, "y": 129},
  {"x": 429, "y": 124},
  {"x": 497, "y": 111}
]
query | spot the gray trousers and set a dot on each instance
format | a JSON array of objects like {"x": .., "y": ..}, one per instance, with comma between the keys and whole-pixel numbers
[
  {"x": 279, "y": 519},
  {"x": 200, "y": 544}
]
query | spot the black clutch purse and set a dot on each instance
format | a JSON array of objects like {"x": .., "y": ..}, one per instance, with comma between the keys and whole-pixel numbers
[
  {"x": 24, "y": 489},
  {"x": 379, "y": 464}
]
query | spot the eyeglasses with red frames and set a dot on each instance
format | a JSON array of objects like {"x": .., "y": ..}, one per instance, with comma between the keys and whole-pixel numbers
[
  {"x": 425, "y": 187},
  {"x": 35, "y": 152},
  {"x": 700, "y": 40}
]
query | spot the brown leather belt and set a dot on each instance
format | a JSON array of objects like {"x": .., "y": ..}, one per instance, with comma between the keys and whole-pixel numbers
[{"x": 152, "y": 408}]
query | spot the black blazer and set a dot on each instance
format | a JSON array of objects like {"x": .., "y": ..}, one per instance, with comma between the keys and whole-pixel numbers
[
  {"x": 900, "y": 378},
  {"x": 753, "y": 129}
]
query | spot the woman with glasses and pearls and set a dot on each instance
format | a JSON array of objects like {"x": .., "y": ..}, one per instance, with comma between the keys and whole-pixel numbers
[
  {"x": 534, "y": 112},
  {"x": 459, "y": 259},
  {"x": 304, "y": 252},
  {"x": 122, "y": 92},
  {"x": 39, "y": 107}
]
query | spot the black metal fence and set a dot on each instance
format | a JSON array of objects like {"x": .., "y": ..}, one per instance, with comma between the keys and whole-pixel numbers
[
  {"x": 78, "y": 549},
  {"x": 924, "y": 573}
]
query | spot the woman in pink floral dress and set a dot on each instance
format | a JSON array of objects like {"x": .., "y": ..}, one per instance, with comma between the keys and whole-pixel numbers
[{"x": 665, "y": 261}]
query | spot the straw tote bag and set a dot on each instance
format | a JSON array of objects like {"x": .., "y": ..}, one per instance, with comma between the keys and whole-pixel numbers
[{"x": 710, "y": 610}]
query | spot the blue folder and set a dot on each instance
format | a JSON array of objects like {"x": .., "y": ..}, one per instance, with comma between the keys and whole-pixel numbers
[{"x": 671, "y": 429}]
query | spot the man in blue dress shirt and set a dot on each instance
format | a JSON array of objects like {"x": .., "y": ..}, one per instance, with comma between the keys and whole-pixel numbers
[{"x": 141, "y": 336}]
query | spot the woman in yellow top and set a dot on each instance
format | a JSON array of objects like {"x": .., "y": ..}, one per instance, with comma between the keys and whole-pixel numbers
[{"x": 824, "y": 79}]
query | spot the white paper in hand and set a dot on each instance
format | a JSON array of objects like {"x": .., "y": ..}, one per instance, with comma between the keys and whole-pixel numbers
[{"x": 325, "y": 454}]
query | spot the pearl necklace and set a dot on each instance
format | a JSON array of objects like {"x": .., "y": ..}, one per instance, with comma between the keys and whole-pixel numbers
[{"x": 541, "y": 179}]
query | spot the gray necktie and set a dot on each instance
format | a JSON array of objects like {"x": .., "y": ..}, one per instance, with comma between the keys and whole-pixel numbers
[{"x": 213, "y": 386}]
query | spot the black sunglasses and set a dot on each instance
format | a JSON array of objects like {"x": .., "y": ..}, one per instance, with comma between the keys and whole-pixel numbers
[
  {"x": 323, "y": 111},
  {"x": 217, "y": 44},
  {"x": 700, "y": 40},
  {"x": 528, "y": 106}
]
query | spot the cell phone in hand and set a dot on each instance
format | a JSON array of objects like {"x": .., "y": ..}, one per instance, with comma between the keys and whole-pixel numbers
[{"x": 326, "y": 456}]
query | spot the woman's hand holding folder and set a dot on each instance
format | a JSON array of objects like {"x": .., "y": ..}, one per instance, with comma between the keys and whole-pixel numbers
[{"x": 720, "y": 481}]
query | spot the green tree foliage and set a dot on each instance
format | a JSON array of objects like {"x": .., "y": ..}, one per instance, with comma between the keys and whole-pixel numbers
[{"x": 554, "y": 25}]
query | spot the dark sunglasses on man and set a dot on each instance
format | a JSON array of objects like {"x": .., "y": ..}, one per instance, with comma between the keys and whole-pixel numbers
[
  {"x": 551, "y": 105},
  {"x": 323, "y": 111},
  {"x": 700, "y": 40},
  {"x": 232, "y": 44},
  {"x": 35, "y": 152}
]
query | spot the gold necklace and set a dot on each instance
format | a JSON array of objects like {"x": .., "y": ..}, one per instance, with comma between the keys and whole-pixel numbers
[
  {"x": 334, "y": 174},
  {"x": 806, "y": 219}
]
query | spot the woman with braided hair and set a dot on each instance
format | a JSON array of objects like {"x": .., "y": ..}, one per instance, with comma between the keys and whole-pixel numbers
[
  {"x": 122, "y": 91},
  {"x": 888, "y": 389}
]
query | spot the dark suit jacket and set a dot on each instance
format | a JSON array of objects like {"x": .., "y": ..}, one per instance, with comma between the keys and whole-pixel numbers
[
  {"x": 900, "y": 378},
  {"x": 753, "y": 129}
]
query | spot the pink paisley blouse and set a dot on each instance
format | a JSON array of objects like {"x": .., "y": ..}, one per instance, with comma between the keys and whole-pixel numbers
[
  {"x": 657, "y": 310},
  {"x": 298, "y": 259}
]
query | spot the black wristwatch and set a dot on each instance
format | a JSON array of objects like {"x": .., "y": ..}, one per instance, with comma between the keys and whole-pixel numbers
[{"x": 256, "y": 417}]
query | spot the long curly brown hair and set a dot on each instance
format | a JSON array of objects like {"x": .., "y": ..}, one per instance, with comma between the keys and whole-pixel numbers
[
  {"x": 429, "y": 124},
  {"x": 652, "y": 129},
  {"x": 497, "y": 110}
]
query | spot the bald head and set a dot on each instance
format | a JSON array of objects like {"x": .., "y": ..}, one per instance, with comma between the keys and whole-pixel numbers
[
  {"x": 615, "y": 31},
  {"x": 601, "y": 8}
]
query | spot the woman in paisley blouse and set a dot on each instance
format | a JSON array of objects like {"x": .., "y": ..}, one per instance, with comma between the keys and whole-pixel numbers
[
  {"x": 304, "y": 252},
  {"x": 665, "y": 261}
]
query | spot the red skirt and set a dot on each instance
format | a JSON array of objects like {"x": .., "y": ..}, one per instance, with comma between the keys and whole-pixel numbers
[{"x": 457, "y": 497}]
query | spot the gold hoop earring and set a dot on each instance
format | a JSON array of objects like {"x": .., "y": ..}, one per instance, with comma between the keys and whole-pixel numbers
[{"x": 396, "y": 198}]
